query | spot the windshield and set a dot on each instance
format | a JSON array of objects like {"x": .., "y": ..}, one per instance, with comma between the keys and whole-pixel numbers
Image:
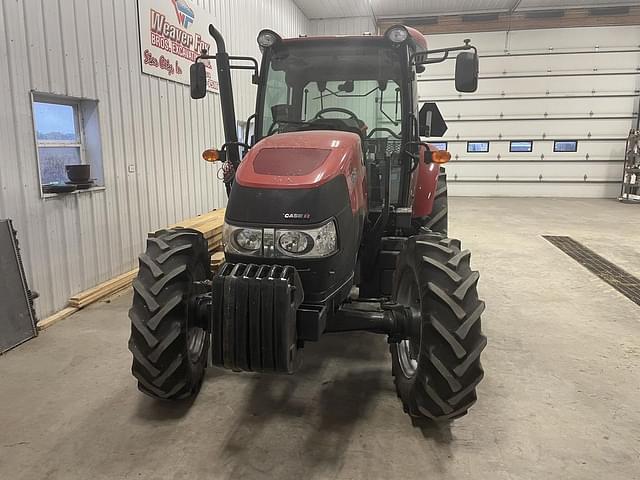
[{"x": 326, "y": 86}]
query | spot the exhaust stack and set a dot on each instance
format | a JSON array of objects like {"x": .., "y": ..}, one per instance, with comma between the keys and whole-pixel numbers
[{"x": 226, "y": 97}]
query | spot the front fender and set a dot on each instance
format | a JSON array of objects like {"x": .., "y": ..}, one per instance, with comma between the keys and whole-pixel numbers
[{"x": 426, "y": 186}]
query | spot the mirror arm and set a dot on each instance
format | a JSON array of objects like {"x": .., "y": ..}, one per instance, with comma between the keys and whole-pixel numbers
[
  {"x": 435, "y": 60},
  {"x": 253, "y": 61},
  {"x": 467, "y": 46}
]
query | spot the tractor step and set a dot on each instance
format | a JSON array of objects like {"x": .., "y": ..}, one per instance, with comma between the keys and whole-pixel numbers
[{"x": 254, "y": 316}]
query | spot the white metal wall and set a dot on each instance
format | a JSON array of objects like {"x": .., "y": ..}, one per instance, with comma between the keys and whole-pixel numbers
[
  {"x": 542, "y": 85},
  {"x": 342, "y": 26},
  {"x": 89, "y": 49}
]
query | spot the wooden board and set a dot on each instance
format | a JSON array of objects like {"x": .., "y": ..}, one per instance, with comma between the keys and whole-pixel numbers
[
  {"x": 56, "y": 317},
  {"x": 217, "y": 259},
  {"x": 103, "y": 290},
  {"x": 210, "y": 224}
]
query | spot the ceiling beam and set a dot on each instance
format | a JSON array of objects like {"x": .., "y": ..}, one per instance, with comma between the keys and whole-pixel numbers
[{"x": 574, "y": 17}]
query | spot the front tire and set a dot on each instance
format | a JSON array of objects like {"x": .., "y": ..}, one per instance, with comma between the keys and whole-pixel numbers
[
  {"x": 436, "y": 371},
  {"x": 438, "y": 219},
  {"x": 169, "y": 342}
]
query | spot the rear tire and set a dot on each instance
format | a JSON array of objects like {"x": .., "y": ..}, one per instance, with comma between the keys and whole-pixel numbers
[
  {"x": 436, "y": 372},
  {"x": 168, "y": 342}
]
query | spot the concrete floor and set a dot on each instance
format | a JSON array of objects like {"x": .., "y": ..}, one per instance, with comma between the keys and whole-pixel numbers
[{"x": 560, "y": 399}]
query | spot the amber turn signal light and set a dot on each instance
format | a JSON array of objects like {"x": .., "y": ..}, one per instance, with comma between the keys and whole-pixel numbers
[
  {"x": 211, "y": 155},
  {"x": 440, "y": 156}
]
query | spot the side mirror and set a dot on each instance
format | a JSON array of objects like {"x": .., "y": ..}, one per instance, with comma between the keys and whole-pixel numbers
[
  {"x": 198, "y": 81},
  {"x": 467, "y": 72}
]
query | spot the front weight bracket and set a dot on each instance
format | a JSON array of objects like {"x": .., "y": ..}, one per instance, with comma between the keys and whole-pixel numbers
[{"x": 253, "y": 318}]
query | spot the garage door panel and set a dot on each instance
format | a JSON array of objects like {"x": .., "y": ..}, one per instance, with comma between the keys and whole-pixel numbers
[
  {"x": 594, "y": 171},
  {"x": 539, "y": 189},
  {"x": 556, "y": 94},
  {"x": 538, "y": 107},
  {"x": 538, "y": 86},
  {"x": 559, "y": 39},
  {"x": 587, "y": 150},
  {"x": 539, "y": 64},
  {"x": 535, "y": 129},
  {"x": 485, "y": 41},
  {"x": 574, "y": 38}
]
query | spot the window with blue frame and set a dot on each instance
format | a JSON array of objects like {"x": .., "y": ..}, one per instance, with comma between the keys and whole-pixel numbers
[
  {"x": 440, "y": 145},
  {"x": 563, "y": 146},
  {"x": 521, "y": 146},
  {"x": 477, "y": 147}
]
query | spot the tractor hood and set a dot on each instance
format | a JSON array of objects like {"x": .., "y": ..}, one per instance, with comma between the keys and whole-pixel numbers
[{"x": 296, "y": 160}]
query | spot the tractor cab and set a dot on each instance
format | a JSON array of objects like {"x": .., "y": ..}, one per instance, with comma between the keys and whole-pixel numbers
[{"x": 363, "y": 85}]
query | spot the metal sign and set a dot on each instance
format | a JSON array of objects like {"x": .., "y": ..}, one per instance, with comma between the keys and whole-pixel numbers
[{"x": 172, "y": 34}]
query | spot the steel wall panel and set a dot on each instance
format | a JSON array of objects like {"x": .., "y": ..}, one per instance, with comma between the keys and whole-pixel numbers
[
  {"x": 89, "y": 49},
  {"x": 342, "y": 26}
]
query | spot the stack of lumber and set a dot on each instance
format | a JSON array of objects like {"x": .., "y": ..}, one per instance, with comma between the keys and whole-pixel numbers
[
  {"x": 210, "y": 224},
  {"x": 217, "y": 259},
  {"x": 103, "y": 290}
]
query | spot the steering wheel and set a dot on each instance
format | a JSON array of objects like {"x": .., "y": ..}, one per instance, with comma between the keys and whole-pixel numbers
[
  {"x": 383, "y": 129},
  {"x": 335, "y": 109}
]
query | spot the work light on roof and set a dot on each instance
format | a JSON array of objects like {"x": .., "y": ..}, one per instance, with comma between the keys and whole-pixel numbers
[
  {"x": 267, "y": 38},
  {"x": 397, "y": 34}
]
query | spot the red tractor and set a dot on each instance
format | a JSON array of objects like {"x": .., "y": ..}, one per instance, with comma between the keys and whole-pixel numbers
[{"x": 336, "y": 221}]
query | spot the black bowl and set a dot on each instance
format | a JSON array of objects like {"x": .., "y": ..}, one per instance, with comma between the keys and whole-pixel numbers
[{"x": 78, "y": 173}]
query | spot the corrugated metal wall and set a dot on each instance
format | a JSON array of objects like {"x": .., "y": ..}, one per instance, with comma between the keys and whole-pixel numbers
[
  {"x": 89, "y": 49},
  {"x": 542, "y": 85},
  {"x": 342, "y": 26}
]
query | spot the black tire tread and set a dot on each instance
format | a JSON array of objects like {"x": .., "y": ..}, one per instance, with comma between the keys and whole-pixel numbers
[
  {"x": 438, "y": 220},
  {"x": 161, "y": 365},
  {"x": 449, "y": 366}
]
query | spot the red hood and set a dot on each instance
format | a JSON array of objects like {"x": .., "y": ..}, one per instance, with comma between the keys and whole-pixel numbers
[{"x": 299, "y": 159}]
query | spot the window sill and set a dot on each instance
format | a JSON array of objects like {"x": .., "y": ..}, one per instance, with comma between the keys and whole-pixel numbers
[{"x": 47, "y": 196}]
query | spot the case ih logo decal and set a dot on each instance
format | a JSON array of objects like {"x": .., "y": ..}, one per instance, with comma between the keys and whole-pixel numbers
[
  {"x": 184, "y": 13},
  {"x": 297, "y": 216}
]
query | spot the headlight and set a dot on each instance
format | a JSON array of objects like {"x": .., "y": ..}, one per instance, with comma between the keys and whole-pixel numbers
[
  {"x": 268, "y": 38},
  {"x": 242, "y": 240},
  {"x": 308, "y": 242},
  {"x": 295, "y": 241},
  {"x": 282, "y": 242},
  {"x": 248, "y": 239},
  {"x": 397, "y": 34}
]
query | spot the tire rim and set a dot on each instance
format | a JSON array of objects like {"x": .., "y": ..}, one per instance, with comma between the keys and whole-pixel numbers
[
  {"x": 408, "y": 350},
  {"x": 196, "y": 332},
  {"x": 195, "y": 342}
]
